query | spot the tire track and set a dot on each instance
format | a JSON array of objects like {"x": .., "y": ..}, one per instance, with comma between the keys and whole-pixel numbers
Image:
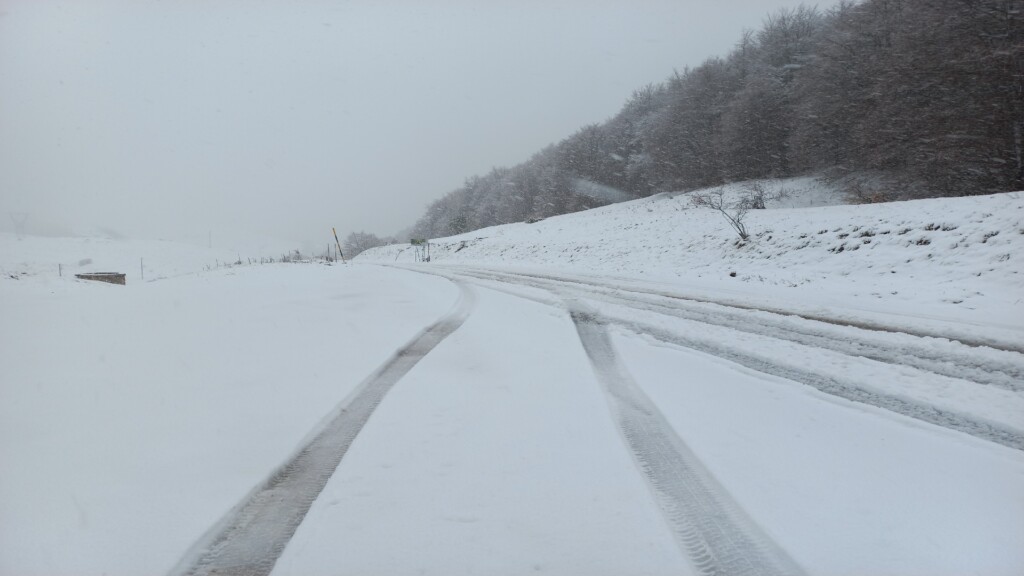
[
  {"x": 710, "y": 527},
  {"x": 1001, "y": 368},
  {"x": 251, "y": 537},
  {"x": 871, "y": 325},
  {"x": 845, "y": 389},
  {"x": 952, "y": 361},
  {"x": 842, "y": 388}
]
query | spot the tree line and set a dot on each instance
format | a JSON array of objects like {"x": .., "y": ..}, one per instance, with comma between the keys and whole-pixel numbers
[{"x": 892, "y": 99}]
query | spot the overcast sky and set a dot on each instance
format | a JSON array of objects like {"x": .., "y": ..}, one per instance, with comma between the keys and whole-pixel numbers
[{"x": 172, "y": 118}]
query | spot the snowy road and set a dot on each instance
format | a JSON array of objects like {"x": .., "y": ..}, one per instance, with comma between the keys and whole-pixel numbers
[
  {"x": 496, "y": 422},
  {"x": 955, "y": 382},
  {"x": 821, "y": 352},
  {"x": 866, "y": 449}
]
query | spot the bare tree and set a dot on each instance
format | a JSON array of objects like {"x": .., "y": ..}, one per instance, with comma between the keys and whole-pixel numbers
[
  {"x": 715, "y": 199},
  {"x": 755, "y": 195}
]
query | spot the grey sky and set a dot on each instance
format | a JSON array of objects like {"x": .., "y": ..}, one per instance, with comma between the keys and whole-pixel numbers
[{"x": 170, "y": 118}]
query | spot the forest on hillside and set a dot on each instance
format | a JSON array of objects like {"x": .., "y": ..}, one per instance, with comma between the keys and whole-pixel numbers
[{"x": 892, "y": 99}]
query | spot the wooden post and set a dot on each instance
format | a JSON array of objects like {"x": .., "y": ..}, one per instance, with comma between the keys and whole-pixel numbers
[
  {"x": 142, "y": 272},
  {"x": 338, "y": 244},
  {"x": 60, "y": 272}
]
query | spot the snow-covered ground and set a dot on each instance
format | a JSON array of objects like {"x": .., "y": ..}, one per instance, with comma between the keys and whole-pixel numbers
[
  {"x": 40, "y": 260},
  {"x": 953, "y": 259},
  {"x": 602, "y": 397},
  {"x": 133, "y": 417}
]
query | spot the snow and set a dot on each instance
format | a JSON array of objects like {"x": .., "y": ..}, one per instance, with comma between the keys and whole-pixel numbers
[
  {"x": 133, "y": 419},
  {"x": 900, "y": 498},
  {"x": 479, "y": 463},
  {"x": 38, "y": 259},
  {"x": 988, "y": 403},
  {"x": 922, "y": 262}
]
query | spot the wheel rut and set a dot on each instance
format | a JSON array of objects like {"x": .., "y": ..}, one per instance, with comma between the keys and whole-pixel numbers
[
  {"x": 713, "y": 531},
  {"x": 842, "y": 388},
  {"x": 874, "y": 326},
  {"x": 1003, "y": 376},
  {"x": 251, "y": 537},
  {"x": 996, "y": 367}
]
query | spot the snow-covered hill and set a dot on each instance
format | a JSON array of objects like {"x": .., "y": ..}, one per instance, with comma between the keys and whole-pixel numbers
[{"x": 951, "y": 258}]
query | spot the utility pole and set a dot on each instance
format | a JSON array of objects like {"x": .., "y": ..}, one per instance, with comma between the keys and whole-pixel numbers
[{"x": 338, "y": 244}]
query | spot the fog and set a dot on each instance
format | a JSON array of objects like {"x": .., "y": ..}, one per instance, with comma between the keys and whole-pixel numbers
[{"x": 181, "y": 119}]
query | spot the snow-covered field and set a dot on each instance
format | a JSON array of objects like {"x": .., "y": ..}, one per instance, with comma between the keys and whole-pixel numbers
[
  {"x": 133, "y": 417},
  {"x": 600, "y": 396},
  {"x": 40, "y": 260}
]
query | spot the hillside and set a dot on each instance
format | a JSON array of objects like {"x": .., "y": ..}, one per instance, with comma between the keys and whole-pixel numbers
[
  {"x": 951, "y": 258},
  {"x": 895, "y": 100}
]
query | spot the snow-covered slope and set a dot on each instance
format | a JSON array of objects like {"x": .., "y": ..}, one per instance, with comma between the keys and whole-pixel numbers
[{"x": 951, "y": 258}]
